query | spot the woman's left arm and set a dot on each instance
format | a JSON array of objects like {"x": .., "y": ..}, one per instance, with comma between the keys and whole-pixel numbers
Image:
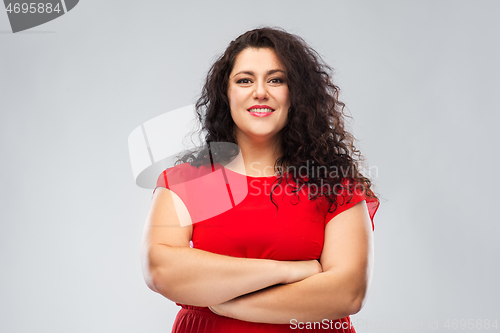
[{"x": 339, "y": 291}]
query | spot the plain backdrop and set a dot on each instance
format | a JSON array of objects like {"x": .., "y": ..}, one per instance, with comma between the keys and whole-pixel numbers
[{"x": 420, "y": 79}]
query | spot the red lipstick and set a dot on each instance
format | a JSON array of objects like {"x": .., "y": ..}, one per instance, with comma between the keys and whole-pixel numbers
[
  {"x": 261, "y": 110},
  {"x": 260, "y": 107}
]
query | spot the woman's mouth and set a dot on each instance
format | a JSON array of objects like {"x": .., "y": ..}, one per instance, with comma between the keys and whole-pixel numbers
[{"x": 260, "y": 111}]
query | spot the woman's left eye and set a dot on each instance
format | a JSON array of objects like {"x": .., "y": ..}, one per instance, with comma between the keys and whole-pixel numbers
[{"x": 278, "y": 80}]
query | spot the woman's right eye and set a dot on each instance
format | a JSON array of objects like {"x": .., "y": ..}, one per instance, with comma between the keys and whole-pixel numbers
[{"x": 243, "y": 81}]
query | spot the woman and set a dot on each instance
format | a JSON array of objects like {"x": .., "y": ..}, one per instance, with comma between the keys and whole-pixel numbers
[{"x": 295, "y": 250}]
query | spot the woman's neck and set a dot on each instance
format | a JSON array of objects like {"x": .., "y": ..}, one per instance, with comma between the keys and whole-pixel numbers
[{"x": 259, "y": 157}]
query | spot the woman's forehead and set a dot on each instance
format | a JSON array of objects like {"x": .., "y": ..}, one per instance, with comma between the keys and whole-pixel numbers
[{"x": 257, "y": 59}]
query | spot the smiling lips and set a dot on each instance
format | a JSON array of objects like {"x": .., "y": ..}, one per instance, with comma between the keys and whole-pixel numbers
[{"x": 260, "y": 110}]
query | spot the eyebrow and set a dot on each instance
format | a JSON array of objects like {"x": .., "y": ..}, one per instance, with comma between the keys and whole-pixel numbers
[{"x": 270, "y": 72}]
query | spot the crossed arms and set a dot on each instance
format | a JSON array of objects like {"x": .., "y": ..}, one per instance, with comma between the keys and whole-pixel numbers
[{"x": 259, "y": 290}]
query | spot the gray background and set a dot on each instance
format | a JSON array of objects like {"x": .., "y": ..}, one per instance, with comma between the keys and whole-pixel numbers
[{"x": 419, "y": 78}]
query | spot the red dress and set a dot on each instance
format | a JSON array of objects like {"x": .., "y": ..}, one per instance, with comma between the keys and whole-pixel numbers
[{"x": 232, "y": 214}]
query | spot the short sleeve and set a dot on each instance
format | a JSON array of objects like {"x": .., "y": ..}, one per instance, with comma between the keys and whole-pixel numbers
[
  {"x": 162, "y": 181},
  {"x": 170, "y": 177},
  {"x": 349, "y": 198},
  {"x": 205, "y": 191}
]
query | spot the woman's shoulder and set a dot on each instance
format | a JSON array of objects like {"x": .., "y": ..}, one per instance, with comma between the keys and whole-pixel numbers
[
  {"x": 185, "y": 172},
  {"x": 352, "y": 191},
  {"x": 185, "y": 168}
]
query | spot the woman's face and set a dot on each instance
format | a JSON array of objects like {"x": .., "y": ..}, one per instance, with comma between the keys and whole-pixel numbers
[{"x": 258, "y": 96}]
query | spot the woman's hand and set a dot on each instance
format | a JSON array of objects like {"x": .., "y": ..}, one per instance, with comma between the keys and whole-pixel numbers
[
  {"x": 296, "y": 271},
  {"x": 299, "y": 270}
]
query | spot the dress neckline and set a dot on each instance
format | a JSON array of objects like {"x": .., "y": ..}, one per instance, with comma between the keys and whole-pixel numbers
[{"x": 257, "y": 177}]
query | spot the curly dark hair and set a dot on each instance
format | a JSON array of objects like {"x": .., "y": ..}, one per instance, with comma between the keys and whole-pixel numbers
[{"x": 314, "y": 140}]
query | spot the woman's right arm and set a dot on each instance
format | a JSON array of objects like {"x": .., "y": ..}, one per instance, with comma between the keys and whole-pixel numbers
[{"x": 191, "y": 276}]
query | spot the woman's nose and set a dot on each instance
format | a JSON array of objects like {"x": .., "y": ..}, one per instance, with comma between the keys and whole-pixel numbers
[{"x": 260, "y": 91}]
